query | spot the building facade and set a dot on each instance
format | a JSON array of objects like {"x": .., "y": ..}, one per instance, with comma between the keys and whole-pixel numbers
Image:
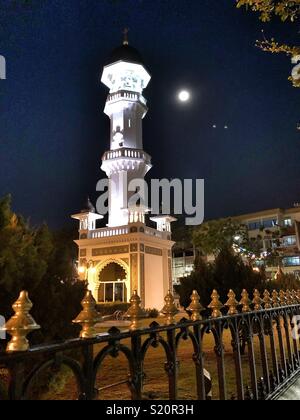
[
  {"x": 127, "y": 255},
  {"x": 277, "y": 229}
]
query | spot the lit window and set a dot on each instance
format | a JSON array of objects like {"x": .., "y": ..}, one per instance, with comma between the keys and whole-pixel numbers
[
  {"x": 291, "y": 261},
  {"x": 269, "y": 223},
  {"x": 289, "y": 241},
  {"x": 254, "y": 225},
  {"x": 288, "y": 222}
]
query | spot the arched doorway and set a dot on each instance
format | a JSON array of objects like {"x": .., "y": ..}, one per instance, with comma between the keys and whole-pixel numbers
[{"x": 112, "y": 287}]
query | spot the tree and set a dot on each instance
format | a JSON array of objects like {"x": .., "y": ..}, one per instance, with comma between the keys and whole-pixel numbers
[
  {"x": 284, "y": 9},
  {"x": 228, "y": 271},
  {"x": 201, "y": 279},
  {"x": 40, "y": 262},
  {"x": 287, "y": 11},
  {"x": 286, "y": 281},
  {"x": 213, "y": 236}
]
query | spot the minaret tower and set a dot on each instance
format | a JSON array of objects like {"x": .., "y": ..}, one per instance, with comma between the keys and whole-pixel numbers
[
  {"x": 127, "y": 255},
  {"x": 126, "y": 77}
]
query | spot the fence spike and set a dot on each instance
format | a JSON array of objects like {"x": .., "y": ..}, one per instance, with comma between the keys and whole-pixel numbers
[
  {"x": 295, "y": 297},
  {"x": 289, "y": 297},
  {"x": 88, "y": 317},
  {"x": 267, "y": 300},
  {"x": 245, "y": 301},
  {"x": 232, "y": 303},
  {"x": 257, "y": 301},
  {"x": 135, "y": 312},
  {"x": 170, "y": 309},
  {"x": 275, "y": 299},
  {"x": 195, "y": 307},
  {"x": 282, "y": 298},
  {"x": 21, "y": 324},
  {"x": 215, "y": 305}
]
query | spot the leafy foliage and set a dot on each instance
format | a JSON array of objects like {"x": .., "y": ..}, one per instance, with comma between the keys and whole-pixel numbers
[
  {"x": 213, "y": 236},
  {"x": 216, "y": 235},
  {"x": 284, "y": 9},
  {"x": 286, "y": 282},
  {"x": 40, "y": 262},
  {"x": 228, "y": 271},
  {"x": 287, "y": 11}
]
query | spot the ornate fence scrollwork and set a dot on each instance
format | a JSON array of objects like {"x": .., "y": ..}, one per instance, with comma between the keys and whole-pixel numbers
[{"x": 258, "y": 337}]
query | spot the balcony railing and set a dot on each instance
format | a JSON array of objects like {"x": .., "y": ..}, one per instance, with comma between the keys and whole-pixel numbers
[
  {"x": 109, "y": 232},
  {"x": 127, "y": 153},
  {"x": 253, "y": 351},
  {"x": 125, "y": 230},
  {"x": 131, "y": 96}
]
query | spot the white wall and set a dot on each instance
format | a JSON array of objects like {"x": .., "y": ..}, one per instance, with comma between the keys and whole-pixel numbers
[{"x": 154, "y": 283}]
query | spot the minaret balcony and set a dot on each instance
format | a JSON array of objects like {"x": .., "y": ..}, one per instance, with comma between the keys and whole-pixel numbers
[
  {"x": 127, "y": 154},
  {"x": 110, "y": 232},
  {"x": 127, "y": 95},
  {"x": 126, "y": 160}
]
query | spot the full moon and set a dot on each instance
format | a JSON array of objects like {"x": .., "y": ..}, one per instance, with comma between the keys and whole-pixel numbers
[{"x": 184, "y": 96}]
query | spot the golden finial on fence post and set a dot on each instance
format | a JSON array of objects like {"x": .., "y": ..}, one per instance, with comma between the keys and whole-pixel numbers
[
  {"x": 135, "y": 312},
  {"x": 215, "y": 305},
  {"x": 195, "y": 307},
  {"x": 232, "y": 303},
  {"x": 289, "y": 297},
  {"x": 267, "y": 300},
  {"x": 257, "y": 301},
  {"x": 295, "y": 297},
  {"x": 275, "y": 299},
  {"x": 170, "y": 309},
  {"x": 245, "y": 301},
  {"x": 282, "y": 298},
  {"x": 88, "y": 317},
  {"x": 21, "y": 324}
]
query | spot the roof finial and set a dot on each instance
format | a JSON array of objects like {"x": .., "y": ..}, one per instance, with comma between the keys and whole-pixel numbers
[{"x": 125, "y": 33}]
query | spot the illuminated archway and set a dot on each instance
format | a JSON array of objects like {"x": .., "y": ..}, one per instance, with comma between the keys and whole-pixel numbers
[{"x": 113, "y": 282}]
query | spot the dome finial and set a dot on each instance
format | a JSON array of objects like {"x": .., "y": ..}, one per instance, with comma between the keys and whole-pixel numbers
[{"x": 125, "y": 34}]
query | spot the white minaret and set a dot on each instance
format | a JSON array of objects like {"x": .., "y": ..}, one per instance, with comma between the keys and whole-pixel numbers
[
  {"x": 126, "y": 77},
  {"x": 127, "y": 255}
]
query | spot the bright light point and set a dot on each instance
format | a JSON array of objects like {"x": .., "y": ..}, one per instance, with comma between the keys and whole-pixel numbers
[{"x": 184, "y": 96}]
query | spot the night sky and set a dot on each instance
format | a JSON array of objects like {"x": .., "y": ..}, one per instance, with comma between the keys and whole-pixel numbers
[{"x": 53, "y": 131}]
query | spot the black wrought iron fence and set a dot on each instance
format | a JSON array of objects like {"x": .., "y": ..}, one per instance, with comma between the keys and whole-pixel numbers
[{"x": 252, "y": 353}]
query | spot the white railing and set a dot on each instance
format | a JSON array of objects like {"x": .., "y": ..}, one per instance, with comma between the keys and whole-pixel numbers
[
  {"x": 132, "y": 96},
  {"x": 153, "y": 232},
  {"x": 124, "y": 230},
  {"x": 126, "y": 153},
  {"x": 109, "y": 232}
]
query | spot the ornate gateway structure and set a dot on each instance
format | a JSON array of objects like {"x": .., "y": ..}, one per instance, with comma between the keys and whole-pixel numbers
[{"x": 127, "y": 255}]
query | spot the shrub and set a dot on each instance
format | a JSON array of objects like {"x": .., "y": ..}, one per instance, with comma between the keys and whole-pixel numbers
[
  {"x": 111, "y": 308},
  {"x": 228, "y": 271},
  {"x": 152, "y": 313}
]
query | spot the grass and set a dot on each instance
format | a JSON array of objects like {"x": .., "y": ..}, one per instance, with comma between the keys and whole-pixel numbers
[{"x": 62, "y": 385}]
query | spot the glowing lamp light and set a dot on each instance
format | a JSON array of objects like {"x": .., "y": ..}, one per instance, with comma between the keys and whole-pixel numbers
[{"x": 81, "y": 270}]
